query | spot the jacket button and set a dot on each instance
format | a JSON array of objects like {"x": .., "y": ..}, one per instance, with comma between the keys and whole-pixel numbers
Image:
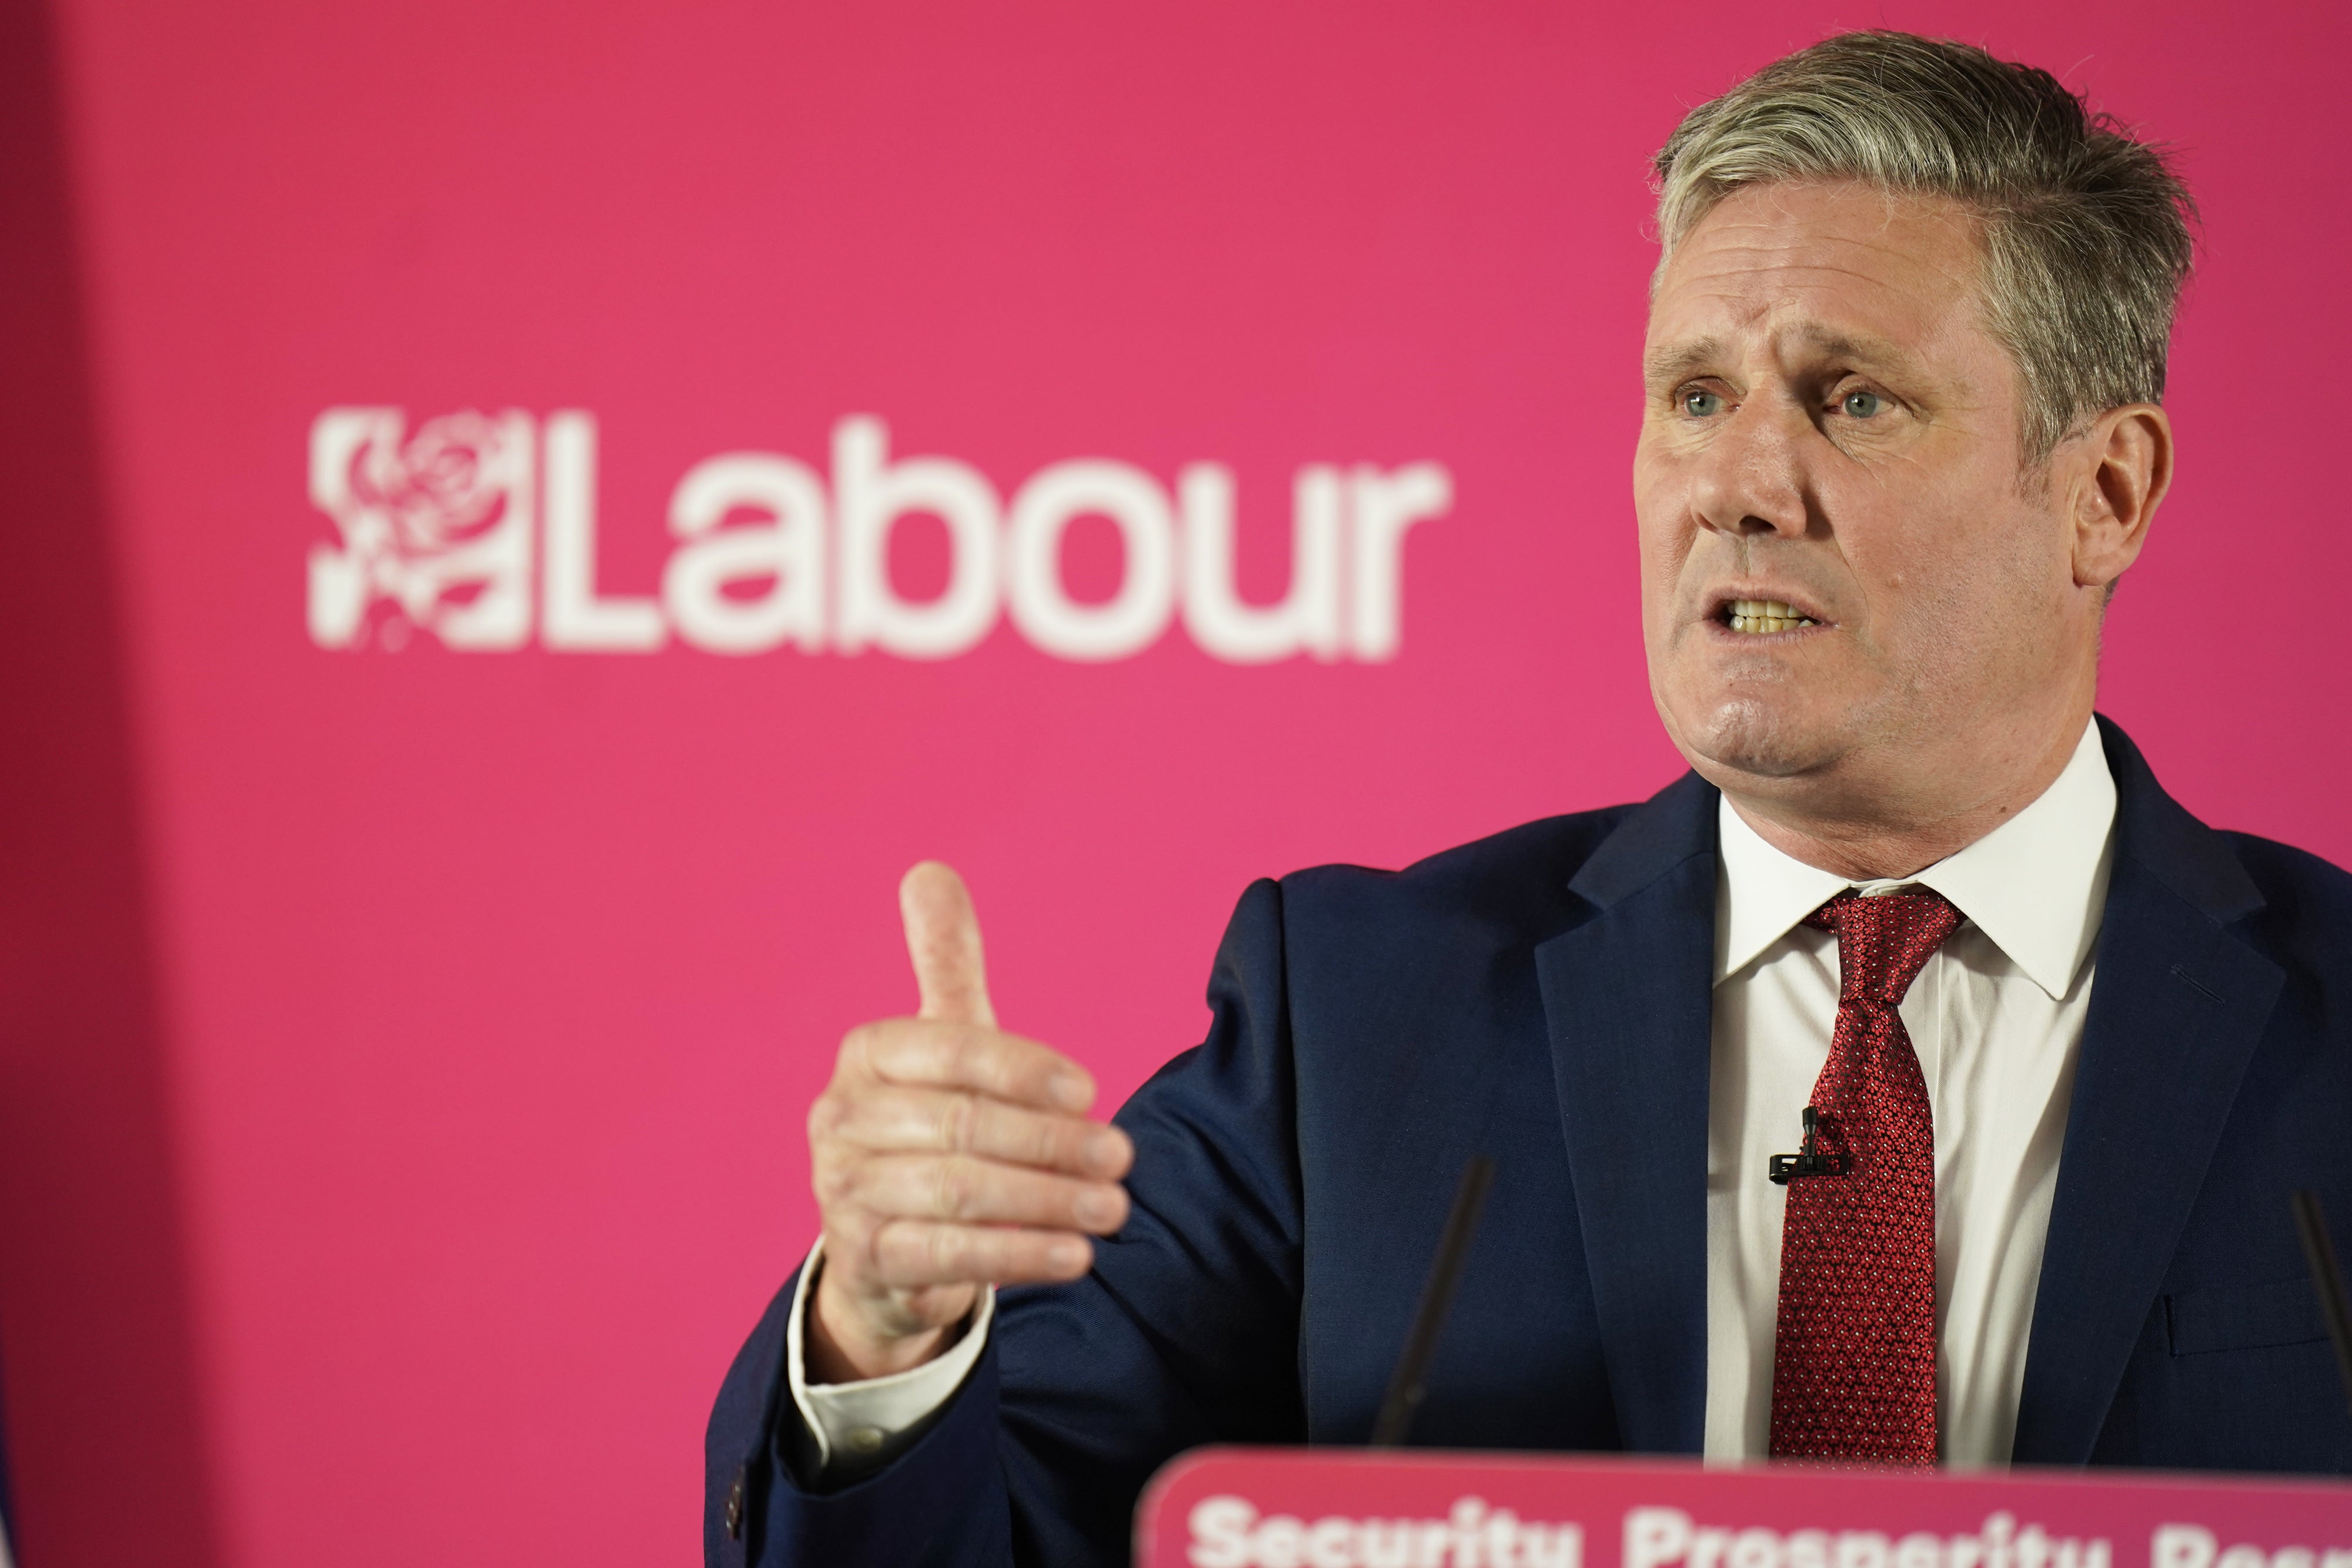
[{"x": 735, "y": 1508}]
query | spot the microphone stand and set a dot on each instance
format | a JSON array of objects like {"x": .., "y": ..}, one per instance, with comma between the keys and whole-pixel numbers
[
  {"x": 1411, "y": 1379},
  {"x": 2326, "y": 1278}
]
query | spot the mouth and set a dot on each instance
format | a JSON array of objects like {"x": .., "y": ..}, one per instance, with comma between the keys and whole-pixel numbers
[{"x": 1762, "y": 617}]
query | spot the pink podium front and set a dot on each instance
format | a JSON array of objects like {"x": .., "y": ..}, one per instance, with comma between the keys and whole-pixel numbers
[{"x": 1289, "y": 1508}]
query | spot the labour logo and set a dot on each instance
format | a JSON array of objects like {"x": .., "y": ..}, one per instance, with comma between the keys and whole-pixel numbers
[{"x": 481, "y": 529}]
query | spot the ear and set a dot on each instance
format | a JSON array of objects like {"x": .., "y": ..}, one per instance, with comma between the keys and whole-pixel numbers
[{"x": 2121, "y": 468}]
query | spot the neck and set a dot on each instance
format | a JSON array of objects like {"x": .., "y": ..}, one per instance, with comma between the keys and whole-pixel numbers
[{"x": 1851, "y": 832}]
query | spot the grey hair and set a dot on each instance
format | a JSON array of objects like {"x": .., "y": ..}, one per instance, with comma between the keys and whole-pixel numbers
[{"x": 2086, "y": 229}]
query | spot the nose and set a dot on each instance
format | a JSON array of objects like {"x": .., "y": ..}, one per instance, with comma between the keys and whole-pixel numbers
[{"x": 1749, "y": 479}]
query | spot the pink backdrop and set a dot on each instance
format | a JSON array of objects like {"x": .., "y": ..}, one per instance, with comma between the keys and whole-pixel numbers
[{"x": 406, "y": 1049}]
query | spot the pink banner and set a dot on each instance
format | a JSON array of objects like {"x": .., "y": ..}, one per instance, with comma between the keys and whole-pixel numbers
[{"x": 1276, "y": 1508}]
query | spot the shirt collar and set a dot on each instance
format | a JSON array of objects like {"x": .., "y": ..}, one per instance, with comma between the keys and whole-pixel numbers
[{"x": 2035, "y": 884}]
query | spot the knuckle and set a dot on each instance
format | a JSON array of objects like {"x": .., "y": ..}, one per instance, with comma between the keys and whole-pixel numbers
[
  {"x": 963, "y": 1055},
  {"x": 859, "y": 1252},
  {"x": 861, "y": 1054},
  {"x": 825, "y": 1116},
  {"x": 1057, "y": 1142},
  {"x": 957, "y": 1187},
  {"x": 835, "y": 1182},
  {"x": 959, "y": 1123},
  {"x": 944, "y": 1248},
  {"x": 892, "y": 1250}
]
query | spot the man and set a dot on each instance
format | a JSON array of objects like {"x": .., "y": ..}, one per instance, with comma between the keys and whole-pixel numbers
[{"x": 2058, "y": 1053}]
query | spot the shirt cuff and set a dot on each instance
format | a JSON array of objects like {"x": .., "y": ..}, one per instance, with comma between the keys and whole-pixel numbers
[{"x": 859, "y": 1427}]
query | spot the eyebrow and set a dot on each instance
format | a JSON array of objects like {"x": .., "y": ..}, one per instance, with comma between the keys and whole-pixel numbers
[
  {"x": 1864, "y": 346},
  {"x": 1672, "y": 363}
]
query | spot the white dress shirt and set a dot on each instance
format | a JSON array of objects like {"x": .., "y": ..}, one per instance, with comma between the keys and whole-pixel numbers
[{"x": 1997, "y": 1019}]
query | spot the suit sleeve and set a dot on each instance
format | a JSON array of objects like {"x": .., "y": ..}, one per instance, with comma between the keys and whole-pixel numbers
[{"x": 1186, "y": 1333}]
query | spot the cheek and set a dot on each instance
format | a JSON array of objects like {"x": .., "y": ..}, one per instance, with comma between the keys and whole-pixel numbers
[
  {"x": 1955, "y": 570},
  {"x": 1664, "y": 549},
  {"x": 1662, "y": 524}
]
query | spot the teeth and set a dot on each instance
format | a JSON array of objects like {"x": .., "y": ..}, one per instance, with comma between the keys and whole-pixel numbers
[{"x": 1762, "y": 615}]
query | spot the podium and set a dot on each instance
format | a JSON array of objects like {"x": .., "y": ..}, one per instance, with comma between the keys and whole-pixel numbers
[{"x": 1293, "y": 1508}]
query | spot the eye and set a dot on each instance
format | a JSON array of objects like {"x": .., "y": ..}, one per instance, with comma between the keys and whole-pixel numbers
[
  {"x": 1701, "y": 403},
  {"x": 1859, "y": 404}
]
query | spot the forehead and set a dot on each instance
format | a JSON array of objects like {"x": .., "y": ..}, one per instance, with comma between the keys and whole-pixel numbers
[{"x": 1792, "y": 262}]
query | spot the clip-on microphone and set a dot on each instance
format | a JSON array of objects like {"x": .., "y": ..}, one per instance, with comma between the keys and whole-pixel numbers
[{"x": 1810, "y": 1160}]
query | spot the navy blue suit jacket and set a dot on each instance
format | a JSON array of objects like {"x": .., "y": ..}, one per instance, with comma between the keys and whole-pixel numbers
[{"x": 1544, "y": 997}]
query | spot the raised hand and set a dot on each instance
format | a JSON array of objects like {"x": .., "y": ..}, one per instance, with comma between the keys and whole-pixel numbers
[{"x": 948, "y": 1155}]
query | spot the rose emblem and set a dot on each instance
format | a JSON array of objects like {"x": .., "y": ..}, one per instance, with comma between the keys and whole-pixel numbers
[{"x": 436, "y": 530}]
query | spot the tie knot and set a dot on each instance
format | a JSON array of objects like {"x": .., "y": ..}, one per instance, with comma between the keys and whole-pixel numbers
[{"x": 1884, "y": 941}]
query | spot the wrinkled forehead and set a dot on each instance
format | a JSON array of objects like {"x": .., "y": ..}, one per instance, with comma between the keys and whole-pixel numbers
[{"x": 1786, "y": 267}]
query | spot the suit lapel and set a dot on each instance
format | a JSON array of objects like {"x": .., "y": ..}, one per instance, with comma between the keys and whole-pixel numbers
[
  {"x": 1628, "y": 999},
  {"x": 2177, "y": 1009}
]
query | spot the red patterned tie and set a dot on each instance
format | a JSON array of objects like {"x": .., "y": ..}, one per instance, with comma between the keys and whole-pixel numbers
[{"x": 1853, "y": 1358}]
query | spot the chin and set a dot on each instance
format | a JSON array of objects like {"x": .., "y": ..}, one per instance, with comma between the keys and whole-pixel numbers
[{"x": 1754, "y": 740}]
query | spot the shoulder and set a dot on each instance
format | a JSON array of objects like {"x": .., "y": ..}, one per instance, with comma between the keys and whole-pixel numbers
[
  {"x": 2306, "y": 901},
  {"x": 1514, "y": 882},
  {"x": 1358, "y": 937},
  {"x": 2283, "y": 870}
]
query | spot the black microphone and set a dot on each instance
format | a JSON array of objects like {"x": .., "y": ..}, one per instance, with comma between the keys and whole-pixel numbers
[
  {"x": 2327, "y": 1279},
  {"x": 1411, "y": 1379},
  {"x": 1810, "y": 1159}
]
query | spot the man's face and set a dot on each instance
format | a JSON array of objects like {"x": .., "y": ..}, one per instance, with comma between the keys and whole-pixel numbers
[{"x": 1832, "y": 431}]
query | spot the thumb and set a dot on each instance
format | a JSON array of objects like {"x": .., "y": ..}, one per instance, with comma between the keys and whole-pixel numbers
[{"x": 944, "y": 940}]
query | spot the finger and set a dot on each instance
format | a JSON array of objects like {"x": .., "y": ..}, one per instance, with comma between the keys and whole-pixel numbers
[
  {"x": 944, "y": 940},
  {"x": 967, "y": 1191},
  {"x": 911, "y": 1253},
  {"x": 897, "y": 1118},
  {"x": 963, "y": 1056}
]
